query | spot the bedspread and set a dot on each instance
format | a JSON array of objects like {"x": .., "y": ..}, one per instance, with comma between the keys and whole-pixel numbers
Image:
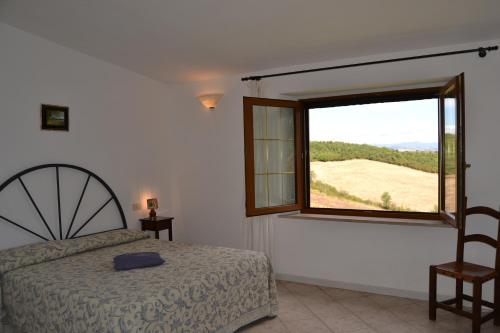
[{"x": 198, "y": 289}]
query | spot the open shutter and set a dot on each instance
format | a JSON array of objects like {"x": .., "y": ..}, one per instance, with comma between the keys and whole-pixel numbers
[
  {"x": 273, "y": 155},
  {"x": 452, "y": 159}
]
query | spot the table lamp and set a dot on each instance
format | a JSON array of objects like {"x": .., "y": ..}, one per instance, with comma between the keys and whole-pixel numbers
[{"x": 152, "y": 205}]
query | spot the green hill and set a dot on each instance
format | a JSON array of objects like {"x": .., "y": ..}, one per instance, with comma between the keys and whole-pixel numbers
[{"x": 325, "y": 151}]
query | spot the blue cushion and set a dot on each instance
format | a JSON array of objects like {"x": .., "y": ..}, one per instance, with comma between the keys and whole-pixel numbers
[{"x": 128, "y": 261}]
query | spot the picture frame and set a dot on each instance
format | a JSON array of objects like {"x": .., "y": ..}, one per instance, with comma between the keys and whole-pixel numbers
[{"x": 55, "y": 117}]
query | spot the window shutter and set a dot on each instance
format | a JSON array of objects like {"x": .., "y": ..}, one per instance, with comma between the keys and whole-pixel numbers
[{"x": 273, "y": 155}]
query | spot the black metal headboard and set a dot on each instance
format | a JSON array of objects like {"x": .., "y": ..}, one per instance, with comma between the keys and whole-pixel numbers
[{"x": 69, "y": 234}]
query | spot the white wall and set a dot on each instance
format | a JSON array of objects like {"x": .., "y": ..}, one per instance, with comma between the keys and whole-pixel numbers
[
  {"x": 113, "y": 122},
  {"x": 209, "y": 168}
]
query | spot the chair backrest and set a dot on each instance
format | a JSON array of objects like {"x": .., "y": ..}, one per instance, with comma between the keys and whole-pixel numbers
[{"x": 462, "y": 238}]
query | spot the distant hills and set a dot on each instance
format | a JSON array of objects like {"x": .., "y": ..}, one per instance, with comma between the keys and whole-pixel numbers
[{"x": 411, "y": 146}]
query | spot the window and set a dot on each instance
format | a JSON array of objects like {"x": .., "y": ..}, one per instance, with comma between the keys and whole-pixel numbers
[
  {"x": 374, "y": 154},
  {"x": 452, "y": 154},
  {"x": 273, "y": 155},
  {"x": 396, "y": 154}
]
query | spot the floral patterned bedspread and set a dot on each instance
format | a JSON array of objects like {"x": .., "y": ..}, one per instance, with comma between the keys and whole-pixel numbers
[{"x": 198, "y": 289}]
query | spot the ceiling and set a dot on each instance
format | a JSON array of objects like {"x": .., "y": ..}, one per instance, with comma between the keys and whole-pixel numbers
[{"x": 186, "y": 40}]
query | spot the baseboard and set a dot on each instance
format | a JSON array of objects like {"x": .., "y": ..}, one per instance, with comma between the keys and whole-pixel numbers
[{"x": 358, "y": 287}]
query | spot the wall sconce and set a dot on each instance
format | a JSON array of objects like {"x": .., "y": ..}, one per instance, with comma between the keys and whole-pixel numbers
[{"x": 210, "y": 101}]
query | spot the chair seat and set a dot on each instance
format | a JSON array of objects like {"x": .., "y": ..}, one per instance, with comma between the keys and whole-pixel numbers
[{"x": 466, "y": 271}]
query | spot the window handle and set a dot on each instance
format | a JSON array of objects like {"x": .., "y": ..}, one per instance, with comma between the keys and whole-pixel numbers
[{"x": 468, "y": 165}]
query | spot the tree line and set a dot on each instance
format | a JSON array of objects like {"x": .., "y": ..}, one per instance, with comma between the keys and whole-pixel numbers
[{"x": 326, "y": 151}]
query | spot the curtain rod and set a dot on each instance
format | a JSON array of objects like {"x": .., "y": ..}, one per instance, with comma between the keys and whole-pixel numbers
[{"x": 482, "y": 52}]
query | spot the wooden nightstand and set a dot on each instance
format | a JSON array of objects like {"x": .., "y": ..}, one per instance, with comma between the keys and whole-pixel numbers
[{"x": 157, "y": 224}]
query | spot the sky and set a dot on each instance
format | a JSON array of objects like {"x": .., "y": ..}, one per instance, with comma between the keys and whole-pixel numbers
[
  {"x": 450, "y": 115},
  {"x": 378, "y": 123}
]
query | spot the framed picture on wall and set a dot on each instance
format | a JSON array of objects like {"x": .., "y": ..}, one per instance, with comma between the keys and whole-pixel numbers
[{"x": 55, "y": 117}]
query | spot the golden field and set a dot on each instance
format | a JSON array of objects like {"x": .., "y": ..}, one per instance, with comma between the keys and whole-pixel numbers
[{"x": 409, "y": 188}]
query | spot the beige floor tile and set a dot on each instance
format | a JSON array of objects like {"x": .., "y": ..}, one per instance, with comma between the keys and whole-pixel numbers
[
  {"x": 415, "y": 314},
  {"x": 366, "y": 330},
  {"x": 284, "y": 295},
  {"x": 328, "y": 311},
  {"x": 281, "y": 285},
  {"x": 280, "y": 282},
  {"x": 380, "y": 319},
  {"x": 451, "y": 321},
  {"x": 339, "y": 294},
  {"x": 287, "y": 300},
  {"x": 308, "y": 308},
  {"x": 446, "y": 322},
  {"x": 316, "y": 301},
  {"x": 420, "y": 302},
  {"x": 307, "y": 326},
  {"x": 390, "y": 301},
  {"x": 315, "y": 297},
  {"x": 346, "y": 324},
  {"x": 267, "y": 325},
  {"x": 294, "y": 313},
  {"x": 301, "y": 288},
  {"x": 282, "y": 289},
  {"x": 360, "y": 305},
  {"x": 455, "y": 325},
  {"x": 489, "y": 324},
  {"x": 432, "y": 327},
  {"x": 399, "y": 328},
  {"x": 489, "y": 328}
]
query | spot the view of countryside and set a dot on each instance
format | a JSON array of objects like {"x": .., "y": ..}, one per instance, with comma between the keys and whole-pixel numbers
[{"x": 381, "y": 156}]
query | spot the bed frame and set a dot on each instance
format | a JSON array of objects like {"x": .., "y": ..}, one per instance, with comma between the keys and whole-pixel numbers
[{"x": 60, "y": 234}]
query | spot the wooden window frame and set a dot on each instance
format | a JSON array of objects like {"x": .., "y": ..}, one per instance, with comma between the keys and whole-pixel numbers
[
  {"x": 456, "y": 220},
  {"x": 251, "y": 210},
  {"x": 354, "y": 99},
  {"x": 302, "y": 164}
]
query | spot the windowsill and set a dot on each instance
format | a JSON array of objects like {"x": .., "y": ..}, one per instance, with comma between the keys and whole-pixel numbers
[{"x": 365, "y": 219}]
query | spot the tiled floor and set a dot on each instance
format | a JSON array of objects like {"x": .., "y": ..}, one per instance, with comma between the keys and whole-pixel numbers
[{"x": 307, "y": 308}]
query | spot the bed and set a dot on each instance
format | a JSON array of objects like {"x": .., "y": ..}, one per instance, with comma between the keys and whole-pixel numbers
[{"x": 70, "y": 285}]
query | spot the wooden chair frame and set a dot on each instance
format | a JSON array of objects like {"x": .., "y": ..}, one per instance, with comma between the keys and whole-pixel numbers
[{"x": 477, "y": 275}]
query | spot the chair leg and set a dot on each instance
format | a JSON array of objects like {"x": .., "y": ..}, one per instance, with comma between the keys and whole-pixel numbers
[
  {"x": 496, "y": 321},
  {"x": 432, "y": 292},
  {"x": 459, "y": 291},
  {"x": 476, "y": 307}
]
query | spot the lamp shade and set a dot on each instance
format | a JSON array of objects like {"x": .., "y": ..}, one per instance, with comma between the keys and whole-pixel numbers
[
  {"x": 210, "y": 101},
  {"x": 152, "y": 203}
]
